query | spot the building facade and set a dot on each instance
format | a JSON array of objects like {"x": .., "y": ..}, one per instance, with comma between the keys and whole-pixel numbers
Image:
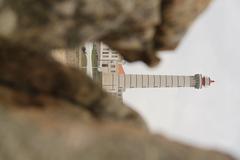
[{"x": 108, "y": 59}]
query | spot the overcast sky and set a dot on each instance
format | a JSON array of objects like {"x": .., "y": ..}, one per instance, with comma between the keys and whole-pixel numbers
[{"x": 208, "y": 117}]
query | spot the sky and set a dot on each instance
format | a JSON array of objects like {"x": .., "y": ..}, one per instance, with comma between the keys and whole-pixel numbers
[{"x": 209, "y": 117}]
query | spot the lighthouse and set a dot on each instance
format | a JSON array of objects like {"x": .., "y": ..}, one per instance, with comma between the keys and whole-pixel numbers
[
  {"x": 117, "y": 83},
  {"x": 112, "y": 81},
  {"x": 105, "y": 66}
]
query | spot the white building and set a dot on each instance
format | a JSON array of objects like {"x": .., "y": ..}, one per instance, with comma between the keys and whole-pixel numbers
[{"x": 108, "y": 59}]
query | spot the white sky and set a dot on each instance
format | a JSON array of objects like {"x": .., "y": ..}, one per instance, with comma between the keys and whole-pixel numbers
[{"x": 208, "y": 117}]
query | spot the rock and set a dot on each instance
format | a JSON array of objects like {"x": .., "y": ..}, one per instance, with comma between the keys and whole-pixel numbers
[
  {"x": 8, "y": 21},
  {"x": 43, "y": 76},
  {"x": 177, "y": 16},
  {"x": 135, "y": 28},
  {"x": 51, "y": 133},
  {"x": 52, "y": 111}
]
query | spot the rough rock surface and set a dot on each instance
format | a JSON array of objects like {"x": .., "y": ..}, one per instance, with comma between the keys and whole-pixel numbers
[
  {"x": 136, "y": 28},
  {"x": 36, "y": 74},
  {"x": 41, "y": 124},
  {"x": 60, "y": 134},
  {"x": 177, "y": 16},
  {"x": 50, "y": 111}
]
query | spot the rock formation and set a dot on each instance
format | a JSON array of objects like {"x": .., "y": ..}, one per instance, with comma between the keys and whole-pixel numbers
[{"x": 51, "y": 111}]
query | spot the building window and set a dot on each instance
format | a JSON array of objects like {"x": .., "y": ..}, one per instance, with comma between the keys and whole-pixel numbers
[
  {"x": 105, "y": 52},
  {"x": 105, "y": 56},
  {"x": 114, "y": 56},
  {"x": 104, "y": 65}
]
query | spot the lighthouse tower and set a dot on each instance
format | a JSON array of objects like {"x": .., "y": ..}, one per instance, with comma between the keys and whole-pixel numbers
[
  {"x": 115, "y": 81},
  {"x": 154, "y": 81},
  {"x": 105, "y": 66},
  {"x": 118, "y": 83}
]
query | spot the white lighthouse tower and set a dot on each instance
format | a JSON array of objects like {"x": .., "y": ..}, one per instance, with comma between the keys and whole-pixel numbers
[
  {"x": 118, "y": 83},
  {"x": 154, "y": 81},
  {"x": 109, "y": 73},
  {"x": 115, "y": 81}
]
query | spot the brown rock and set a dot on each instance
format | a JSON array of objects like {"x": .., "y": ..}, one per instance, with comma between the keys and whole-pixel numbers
[
  {"x": 37, "y": 74},
  {"x": 48, "y": 133},
  {"x": 50, "y": 111},
  {"x": 136, "y": 28},
  {"x": 75, "y": 120},
  {"x": 177, "y": 16}
]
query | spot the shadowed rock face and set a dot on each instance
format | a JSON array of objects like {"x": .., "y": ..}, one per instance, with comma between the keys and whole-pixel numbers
[
  {"x": 36, "y": 74},
  {"x": 136, "y": 28},
  {"x": 50, "y": 136},
  {"x": 51, "y": 111},
  {"x": 65, "y": 123}
]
